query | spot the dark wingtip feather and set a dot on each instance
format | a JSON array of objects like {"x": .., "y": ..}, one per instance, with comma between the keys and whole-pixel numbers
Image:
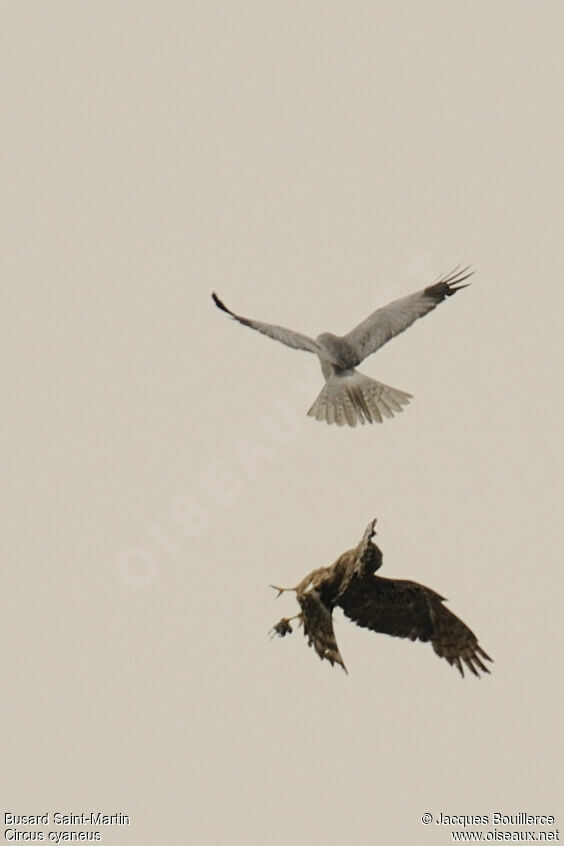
[
  {"x": 449, "y": 284},
  {"x": 336, "y": 659},
  {"x": 485, "y": 655},
  {"x": 455, "y": 279},
  {"x": 219, "y": 303}
]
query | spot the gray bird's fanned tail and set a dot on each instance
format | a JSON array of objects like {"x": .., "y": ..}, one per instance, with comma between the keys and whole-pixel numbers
[{"x": 351, "y": 398}]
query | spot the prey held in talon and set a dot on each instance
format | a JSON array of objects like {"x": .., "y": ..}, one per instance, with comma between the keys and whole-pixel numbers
[
  {"x": 395, "y": 607},
  {"x": 349, "y": 397}
]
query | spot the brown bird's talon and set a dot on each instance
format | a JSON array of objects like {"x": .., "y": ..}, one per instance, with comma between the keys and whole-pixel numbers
[{"x": 282, "y": 628}]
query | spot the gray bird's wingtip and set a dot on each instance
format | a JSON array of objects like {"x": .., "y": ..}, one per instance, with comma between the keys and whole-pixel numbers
[{"x": 221, "y": 305}]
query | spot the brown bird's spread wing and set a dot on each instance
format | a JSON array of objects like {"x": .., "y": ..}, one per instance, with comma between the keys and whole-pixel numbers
[
  {"x": 387, "y": 322},
  {"x": 318, "y": 627},
  {"x": 406, "y": 609},
  {"x": 365, "y": 559},
  {"x": 368, "y": 557},
  {"x": 278, "y": 333}
]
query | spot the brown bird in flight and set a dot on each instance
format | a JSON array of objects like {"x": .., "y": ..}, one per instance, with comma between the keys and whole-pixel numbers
[
  {"x": 392, "y": 606},
  {"x": 349, "y": 397}
]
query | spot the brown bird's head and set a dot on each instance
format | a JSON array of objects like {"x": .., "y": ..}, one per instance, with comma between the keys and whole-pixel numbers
[{"x": 373, "y": 558}]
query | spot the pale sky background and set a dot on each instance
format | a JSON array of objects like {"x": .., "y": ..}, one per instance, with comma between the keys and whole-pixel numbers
[{"x": 309, "y": 161}]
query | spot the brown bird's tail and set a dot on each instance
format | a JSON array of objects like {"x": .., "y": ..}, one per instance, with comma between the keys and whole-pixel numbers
[{"x": 351, "y": 398}]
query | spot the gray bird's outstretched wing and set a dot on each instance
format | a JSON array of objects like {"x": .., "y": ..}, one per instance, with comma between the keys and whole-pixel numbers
[
  {"x": 387, "y": 322},
  {"x": 278, "y": 333}
]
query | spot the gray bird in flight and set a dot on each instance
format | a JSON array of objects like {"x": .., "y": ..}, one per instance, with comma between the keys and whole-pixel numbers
[{"x": 349, "y": 397}]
